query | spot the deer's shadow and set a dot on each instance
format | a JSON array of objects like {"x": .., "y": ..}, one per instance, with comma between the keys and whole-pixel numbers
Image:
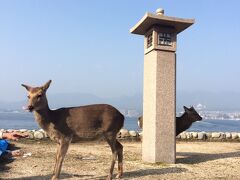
[
  {"x": 144, "y": 172},
  {"x": 127, "y": 175},
  {"x": 49, "y": 176},
  {"x": 147, "y": 172},
  {"x": 195, "y": 158}
]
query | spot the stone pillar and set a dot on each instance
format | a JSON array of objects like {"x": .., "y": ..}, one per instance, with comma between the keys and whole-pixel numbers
[{"x": 159, "y": 93}]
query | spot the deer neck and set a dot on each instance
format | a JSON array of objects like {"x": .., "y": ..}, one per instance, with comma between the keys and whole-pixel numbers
[
  {"x": 42, "y": 116},
  {"x": 182, "y": 123},
  {"x": 187, "y": 120}
]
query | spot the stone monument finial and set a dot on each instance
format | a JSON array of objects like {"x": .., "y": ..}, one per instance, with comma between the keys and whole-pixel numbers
[{"x": 160, "y": 11}]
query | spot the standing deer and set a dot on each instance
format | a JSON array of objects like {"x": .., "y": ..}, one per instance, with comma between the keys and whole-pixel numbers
[
  {"x": 65, "y": 124},
  {"x": 183, "y": 122}
]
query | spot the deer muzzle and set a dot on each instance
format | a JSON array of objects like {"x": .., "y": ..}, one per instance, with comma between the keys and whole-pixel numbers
[{"x": 29, "y": 108}]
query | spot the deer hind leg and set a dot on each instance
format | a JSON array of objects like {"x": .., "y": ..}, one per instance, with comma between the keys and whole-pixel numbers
[
  {"x": 119, "y": 148},
  {"x": 111, "y": 140},
  {"x": 61, "y": 152}
]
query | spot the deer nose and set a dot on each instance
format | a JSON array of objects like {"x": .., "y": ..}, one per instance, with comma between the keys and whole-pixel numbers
[{"x": 30, "y": 108}]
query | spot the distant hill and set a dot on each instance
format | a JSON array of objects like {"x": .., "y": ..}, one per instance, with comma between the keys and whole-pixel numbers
[
  {"x": 12, "y": 105},
  {"x": 213, "y": 101},
  {"x": 77, "y": 99}
]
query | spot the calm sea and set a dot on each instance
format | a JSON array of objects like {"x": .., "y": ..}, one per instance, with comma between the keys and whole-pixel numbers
[{"x": 24, "y": 120}]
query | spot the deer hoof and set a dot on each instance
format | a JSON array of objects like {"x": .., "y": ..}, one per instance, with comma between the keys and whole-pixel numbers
[
  {"x": 109, "y": 177},
  {"x": 54, "y": 178},
  {"x": 119, "y": 175},
  {"x": 120, "y": 171}
]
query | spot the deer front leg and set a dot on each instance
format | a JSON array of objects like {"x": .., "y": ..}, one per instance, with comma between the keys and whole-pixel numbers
[
  {"x": 56, "y": 160},
  {"x": 61, "y": 152}
]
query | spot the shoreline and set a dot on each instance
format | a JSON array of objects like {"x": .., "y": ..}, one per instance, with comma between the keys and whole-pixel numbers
[
  {"x": 23, "y": 122},
  {"x": 132, "y": 135}
]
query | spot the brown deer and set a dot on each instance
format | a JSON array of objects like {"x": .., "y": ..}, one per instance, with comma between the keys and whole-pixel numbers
[
  {"x": 65, "y": 124},
  {"x": 183, "y": 122}
]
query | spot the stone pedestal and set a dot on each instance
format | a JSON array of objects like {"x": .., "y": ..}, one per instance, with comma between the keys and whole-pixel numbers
[{"x": 159, "y": 107}]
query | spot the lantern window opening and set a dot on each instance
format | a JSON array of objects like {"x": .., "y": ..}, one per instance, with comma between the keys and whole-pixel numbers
[
  {"x": 149, "y": 40},
  {"x": 165, "y": 39}
]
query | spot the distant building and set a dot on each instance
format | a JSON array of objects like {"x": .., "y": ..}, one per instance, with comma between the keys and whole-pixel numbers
[{"x": 200, "y": 107}]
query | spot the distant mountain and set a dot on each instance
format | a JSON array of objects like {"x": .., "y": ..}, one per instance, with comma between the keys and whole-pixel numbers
[
  {"x": 213, "y": 101},
  {"x": 71, "y": 99},
  {"x": 77, "y": 99},
  {"x": 12, "y": 105}
]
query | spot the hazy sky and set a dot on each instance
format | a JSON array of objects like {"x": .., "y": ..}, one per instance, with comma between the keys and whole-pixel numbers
[{"x": 85, "y": 46}]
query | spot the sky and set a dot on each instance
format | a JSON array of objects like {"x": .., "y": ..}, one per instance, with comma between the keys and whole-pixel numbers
[{"x": 86, "y": 46}]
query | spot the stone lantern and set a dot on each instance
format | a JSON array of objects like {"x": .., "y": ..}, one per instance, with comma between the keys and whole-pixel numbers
[{"x": 159, "y": 92}]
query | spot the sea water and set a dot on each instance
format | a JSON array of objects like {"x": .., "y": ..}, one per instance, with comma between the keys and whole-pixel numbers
[{"x": 25, "y": 120}]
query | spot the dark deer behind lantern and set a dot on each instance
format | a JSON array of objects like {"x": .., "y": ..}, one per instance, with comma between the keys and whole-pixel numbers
[{"x": 183, "y": 122}]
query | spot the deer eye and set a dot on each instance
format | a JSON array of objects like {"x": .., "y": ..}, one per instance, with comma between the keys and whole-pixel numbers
[
  {"x": 28, "y": 97},
  {"x": 39, "y": 96}
]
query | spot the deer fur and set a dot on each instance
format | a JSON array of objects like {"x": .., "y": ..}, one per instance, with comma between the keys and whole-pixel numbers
[
  {"x": 65, "y": 124},
  {"x": 183, "y": 122}
]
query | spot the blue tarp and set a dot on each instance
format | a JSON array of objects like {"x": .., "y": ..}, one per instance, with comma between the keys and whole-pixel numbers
[{"x": 3, "y": 146}]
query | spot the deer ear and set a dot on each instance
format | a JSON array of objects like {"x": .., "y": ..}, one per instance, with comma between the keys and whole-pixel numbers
[
  {"x": 46, "y": 86},
  {"x": 185, "y": 108},
  {"x": 26, "y": 86}
]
